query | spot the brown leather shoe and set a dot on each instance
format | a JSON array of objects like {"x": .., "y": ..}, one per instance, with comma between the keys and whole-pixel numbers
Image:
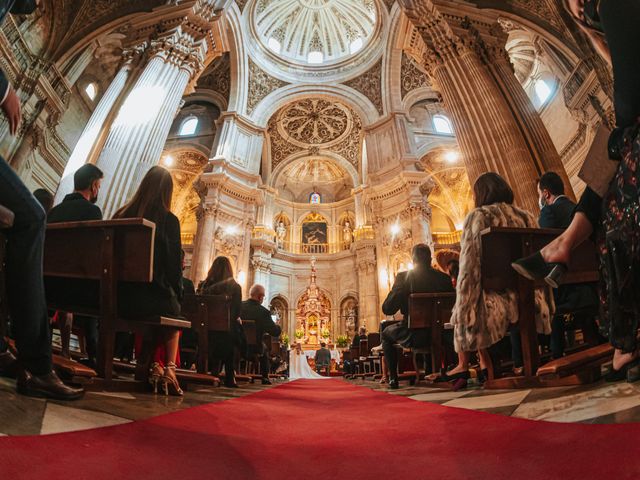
[
  {"x": 46, "y": 386},
  {"x": 8, "y": 365}
]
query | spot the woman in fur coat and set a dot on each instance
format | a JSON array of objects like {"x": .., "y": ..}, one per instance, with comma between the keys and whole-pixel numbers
[{"x": 481, "y": 317}]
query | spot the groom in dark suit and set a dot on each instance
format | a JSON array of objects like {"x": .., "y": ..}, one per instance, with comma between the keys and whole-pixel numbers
[{"x": 323, "y": 358}]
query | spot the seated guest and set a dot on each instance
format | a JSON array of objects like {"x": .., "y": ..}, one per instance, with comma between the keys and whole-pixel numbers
[
  {"x": 252, "y": 309},
  {"x": 188, "y": 338},
  {"x": 323, "y": 358},
  {"x": 361, "y": 335},
  {"x": 25, "y": 287},
  {"x": 453, "y": 269},
  {"x": 222, "y": 345},
  {"x": 45, "y": 199},
  {"x": 78, "y": 206},
  {"x": 582, "y": 299},
  {"x": 162, "y": 296},
  {"x": 481, "y": 317},
  {"x": 422, "y": 279}
]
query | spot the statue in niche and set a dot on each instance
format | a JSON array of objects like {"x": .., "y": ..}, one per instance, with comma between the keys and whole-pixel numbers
[
  {"x": 347, "y": 234},
  {"x": 281, "y": 233}
]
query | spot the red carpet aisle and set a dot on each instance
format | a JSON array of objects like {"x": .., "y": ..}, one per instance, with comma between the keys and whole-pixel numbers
[{"x": 325, "y": 430}]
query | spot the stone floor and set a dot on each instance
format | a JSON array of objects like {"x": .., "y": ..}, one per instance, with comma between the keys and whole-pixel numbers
[{"x": 597, "y": 403}]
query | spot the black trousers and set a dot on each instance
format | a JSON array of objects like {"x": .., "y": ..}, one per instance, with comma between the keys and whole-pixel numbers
[
  {"x": 400, "y": 333},
  {"x": 25, "y": 286}
]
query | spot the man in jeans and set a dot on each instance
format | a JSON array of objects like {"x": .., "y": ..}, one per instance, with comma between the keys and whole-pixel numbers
[{"x": 25, "y": 242}]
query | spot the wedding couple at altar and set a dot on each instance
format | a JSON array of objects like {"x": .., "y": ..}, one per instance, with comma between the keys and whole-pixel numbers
[{"x": 299, "y": 367}]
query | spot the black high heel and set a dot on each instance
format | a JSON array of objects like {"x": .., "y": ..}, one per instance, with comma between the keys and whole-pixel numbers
[
  {"x": 534, "y": 267},
  {"x": 444, "y": 377},
  {"x": 629, "y": 372}
]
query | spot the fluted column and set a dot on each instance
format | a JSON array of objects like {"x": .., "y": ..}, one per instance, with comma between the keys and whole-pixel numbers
[
  {"x": 76, "y": 68},
  {"x": 87, "y": 140},
  {"x": 204, "y": 245},
  {"x": 533, "y": 129},
  {"x": 140, "y": 130},
  {"x": 490, "y": 136},
  {"x": 369, "y": 306}
]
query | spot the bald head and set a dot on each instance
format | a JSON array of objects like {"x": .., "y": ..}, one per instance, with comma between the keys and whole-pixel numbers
[{"x": 257, "y": 293}]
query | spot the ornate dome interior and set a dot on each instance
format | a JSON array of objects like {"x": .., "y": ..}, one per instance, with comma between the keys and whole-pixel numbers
[
  {"x": 315, "y": 31},
  {"x": 302, "y": 177}
]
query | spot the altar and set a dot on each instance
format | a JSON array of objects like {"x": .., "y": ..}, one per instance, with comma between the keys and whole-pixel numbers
[{"x": 313, "y": 315}]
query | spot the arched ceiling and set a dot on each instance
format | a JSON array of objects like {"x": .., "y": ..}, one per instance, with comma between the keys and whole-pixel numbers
[{"x": 304, "y": 26}]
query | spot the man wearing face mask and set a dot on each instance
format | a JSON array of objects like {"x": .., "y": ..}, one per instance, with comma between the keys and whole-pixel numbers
[
  {"x": 79, "y": 206},
  {"x": 581, "y": 300}
]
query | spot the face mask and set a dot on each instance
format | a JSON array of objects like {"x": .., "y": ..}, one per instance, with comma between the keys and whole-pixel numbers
[{"x": 542, "y": 203}]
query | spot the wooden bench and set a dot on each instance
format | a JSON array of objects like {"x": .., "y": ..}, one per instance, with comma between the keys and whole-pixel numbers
[
  {"x": 406, "y": 363},
  {"x": 207, "y": 313},
  {"x": 431, "y": 311},
  {"x": 500, "y": 247},
  {"x": 107, "y": 252},
  {"x": 6, "y": 221}
]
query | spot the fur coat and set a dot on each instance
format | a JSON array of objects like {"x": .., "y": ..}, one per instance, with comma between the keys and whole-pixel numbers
[{"x": 481, "y": 318}]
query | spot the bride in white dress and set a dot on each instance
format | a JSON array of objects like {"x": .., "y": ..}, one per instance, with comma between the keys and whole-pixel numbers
[{"x": 299, "y": 367}]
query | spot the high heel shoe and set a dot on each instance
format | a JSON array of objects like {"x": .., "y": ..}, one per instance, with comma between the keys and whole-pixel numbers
[
  {"x": 534, "y": 267},
  {"x": 630, "y": 372},
  {"x": 445, "y": 377},
  {"x": 155, "y": 374},
  {"x": 170, "y": 383}
]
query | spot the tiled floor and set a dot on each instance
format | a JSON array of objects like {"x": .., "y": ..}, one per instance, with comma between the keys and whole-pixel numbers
[
  {"x": 597, "y": 403},
  {"x": 21, "y": 415}
]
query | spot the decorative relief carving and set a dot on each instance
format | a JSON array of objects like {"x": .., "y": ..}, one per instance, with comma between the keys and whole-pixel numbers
[
  {"x": 314, "y": 122},
  {"x": 316, "y": 126},
  {"x": 411, "y": 77},
  {"x": 261, "y": 84},
  {"x": 218, "y": 78},
  {"x": 370, "y": 85}
]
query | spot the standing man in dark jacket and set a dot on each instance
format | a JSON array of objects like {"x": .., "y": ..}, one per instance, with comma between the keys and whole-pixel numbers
[
  {"x": 252, "y": 309},
  {"x": 422, "y": 279},
  {"x": 581, "y": 300},
  {"x": 79, "y": 206},
  {"x": 25, "y": 242}
]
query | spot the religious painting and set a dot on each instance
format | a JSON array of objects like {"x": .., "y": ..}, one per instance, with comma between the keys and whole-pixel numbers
[{"x": 314, "y": 233}]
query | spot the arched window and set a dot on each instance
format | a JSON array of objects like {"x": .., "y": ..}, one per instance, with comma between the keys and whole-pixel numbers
[
  {"x": 315, "y": 57},
  {"x": 544, "y": 91},
  {"x": 315, "y": 198},
  {"x": 189, "y": 126},
  {"x": 442, "y": 125},
  {"x": 91, "y": 90}
]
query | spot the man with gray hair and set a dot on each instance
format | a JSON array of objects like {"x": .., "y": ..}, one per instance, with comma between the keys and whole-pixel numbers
[{"x": 252, "y": 309}]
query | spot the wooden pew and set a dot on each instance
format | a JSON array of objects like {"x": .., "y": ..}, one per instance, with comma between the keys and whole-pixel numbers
[
  {"x": 406, "y": 364},
  {"x": 500, "y": 247},
  {"x": 108, "y": 252},
  {"x": 431, "y": 311},
  {"x": 207, "y": 313},
  {"x": 6, "y": 221}
]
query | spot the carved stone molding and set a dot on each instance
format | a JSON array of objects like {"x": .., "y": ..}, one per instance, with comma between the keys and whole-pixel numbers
[
  {"x": 411, "y": 77},
  {"x": 370, "y": 85},
  {"x": 261, "y": 84},
  {"x": 218, "y": 78}
]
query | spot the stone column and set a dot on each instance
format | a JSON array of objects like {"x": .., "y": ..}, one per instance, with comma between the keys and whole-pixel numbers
[
  {"x": 488, "y": 132},
  {"x": 76, "y": 68},
  {"x": 261, "y": 267},
  {"x": 87, "y": 140},
  {"x": 244, "y": 257},
  {"x": 204, "y": 245},
  {"x": 368, "y": 303},
  {"x": 139, "y": 132}
]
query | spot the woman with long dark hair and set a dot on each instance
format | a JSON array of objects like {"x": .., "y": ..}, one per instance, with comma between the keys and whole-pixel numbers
[
  {"x": 612, "y": 28},
  {"x": 162, "y": 296},
  {"x": 481, "y": 317},
  {"x": 220, "y": 281}
]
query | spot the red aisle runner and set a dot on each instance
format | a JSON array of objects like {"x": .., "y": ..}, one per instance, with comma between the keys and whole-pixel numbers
[{"x": 328, "y": 429}]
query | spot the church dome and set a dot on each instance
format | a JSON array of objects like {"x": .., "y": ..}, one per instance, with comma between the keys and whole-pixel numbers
[{"x": 315, "y": 31}]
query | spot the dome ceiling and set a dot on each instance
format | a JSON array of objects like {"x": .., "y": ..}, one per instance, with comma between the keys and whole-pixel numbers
[
  {"x": 316, "y": 171},
  {"x": 315, "y": 31}
]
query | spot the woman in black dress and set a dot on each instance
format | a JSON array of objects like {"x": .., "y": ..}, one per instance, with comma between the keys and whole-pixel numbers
[
  {"x": 162, "y": 296},
  {"x": 220, "y": 281},
  {"x": 614, "y": 30}
]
